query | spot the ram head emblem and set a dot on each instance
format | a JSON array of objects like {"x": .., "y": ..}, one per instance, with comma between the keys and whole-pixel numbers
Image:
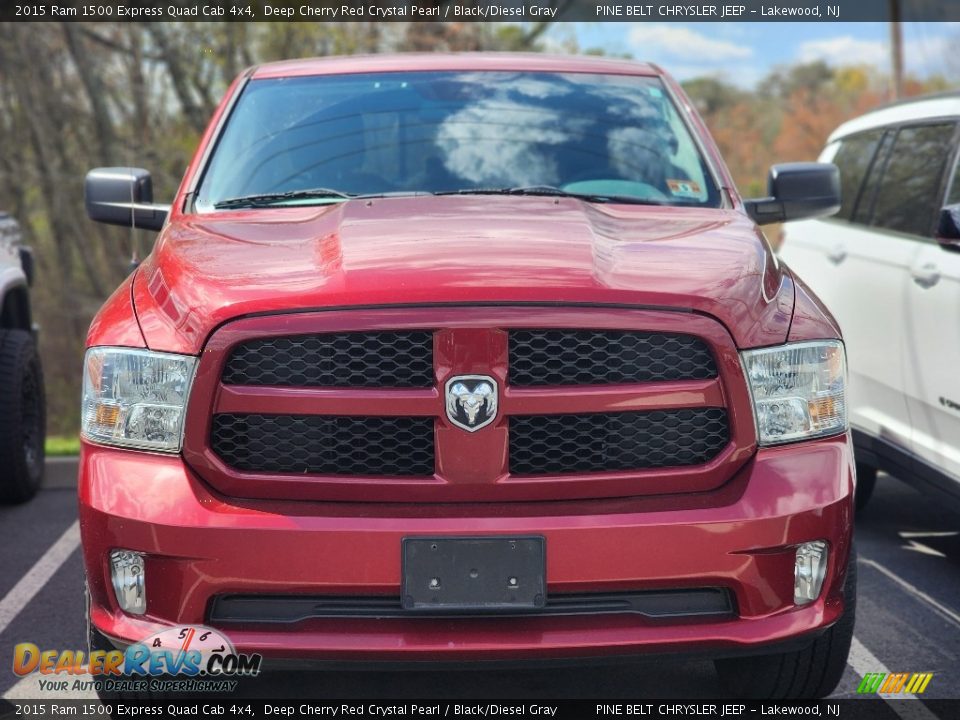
[{"x": 471, "y": 401}]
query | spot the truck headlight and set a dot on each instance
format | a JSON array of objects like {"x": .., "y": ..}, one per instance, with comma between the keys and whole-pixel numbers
[
  {"x": 798, "y": 390},
  {"x": 135, "y": 398}
]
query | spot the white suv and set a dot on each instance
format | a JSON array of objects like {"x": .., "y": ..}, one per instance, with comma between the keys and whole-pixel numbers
[{"x": 888, "y": 267}]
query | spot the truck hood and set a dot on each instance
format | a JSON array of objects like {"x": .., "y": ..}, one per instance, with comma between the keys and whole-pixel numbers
[{"x": 208, "y": 269}]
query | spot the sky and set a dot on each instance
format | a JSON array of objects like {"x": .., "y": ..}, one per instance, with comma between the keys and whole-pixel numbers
[{"x": 743, "y": 53}]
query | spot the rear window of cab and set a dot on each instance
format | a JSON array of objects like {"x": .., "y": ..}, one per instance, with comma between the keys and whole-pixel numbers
[{"x": 610, "y": 136}]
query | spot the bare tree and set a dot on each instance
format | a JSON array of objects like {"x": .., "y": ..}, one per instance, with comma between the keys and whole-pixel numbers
[{"x": 140, "y": 94}]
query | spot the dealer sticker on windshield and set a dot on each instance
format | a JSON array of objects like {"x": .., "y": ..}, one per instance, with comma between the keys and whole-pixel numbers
[{"x": 684, "y": 188}]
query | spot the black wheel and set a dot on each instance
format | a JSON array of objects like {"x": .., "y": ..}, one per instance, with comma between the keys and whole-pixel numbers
[
  {"x": 96, "y": 640},
  {"x": 22, "y": 417},
  {"x": 807, "y": 674},
  {"x": 866, "y": 481}
]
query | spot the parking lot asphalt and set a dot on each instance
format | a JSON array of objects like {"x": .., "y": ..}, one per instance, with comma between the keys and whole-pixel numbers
[{"x": 908, "y": 615}]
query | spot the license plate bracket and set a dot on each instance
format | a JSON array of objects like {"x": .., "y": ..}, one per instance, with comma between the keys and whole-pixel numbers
[{"x": 474, "y": 574}]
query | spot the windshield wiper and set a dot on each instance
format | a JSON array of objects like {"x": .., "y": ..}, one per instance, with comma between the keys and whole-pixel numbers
[
  {"x": 267, "y": 199},
  {"x": 551, "y": 191}
]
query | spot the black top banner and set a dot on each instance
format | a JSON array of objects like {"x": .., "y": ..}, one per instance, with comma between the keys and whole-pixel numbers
[{"x": 479, "y": 10}]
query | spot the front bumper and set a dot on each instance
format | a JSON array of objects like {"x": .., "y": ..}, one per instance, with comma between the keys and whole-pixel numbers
[{"x": 740, "y": 537}]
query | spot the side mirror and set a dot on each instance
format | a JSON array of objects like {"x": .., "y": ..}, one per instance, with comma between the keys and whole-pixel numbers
[
  {"x": 797, "y": 191},
  {"x": 28, "y": 264},
  {"x": 948, "y": 228},
  {"x": 123, "y": 196}
]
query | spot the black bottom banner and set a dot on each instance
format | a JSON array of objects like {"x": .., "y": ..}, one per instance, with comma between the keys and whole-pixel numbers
[{"x": 849, "y": 709}]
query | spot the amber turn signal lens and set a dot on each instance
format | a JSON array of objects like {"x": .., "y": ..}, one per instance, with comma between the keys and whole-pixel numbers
[{"x": 107, "y": 414}]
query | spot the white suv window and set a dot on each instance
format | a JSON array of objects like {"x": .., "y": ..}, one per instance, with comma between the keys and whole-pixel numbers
[
  {"x": 953, "y": 197},
  {"x": 909, "y": 194},
  {"x": 854, "y": 158},
  {"x": 867, "y": 197}
]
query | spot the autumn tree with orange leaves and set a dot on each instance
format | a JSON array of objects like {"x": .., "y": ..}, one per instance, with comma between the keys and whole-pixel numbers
[{"x": 790, "y": 114}]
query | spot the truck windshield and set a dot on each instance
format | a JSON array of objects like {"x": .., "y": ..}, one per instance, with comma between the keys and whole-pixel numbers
[{"x": 325, "y": 139}]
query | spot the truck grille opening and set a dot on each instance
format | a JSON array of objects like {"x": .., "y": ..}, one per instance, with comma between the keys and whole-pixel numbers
[
  {"x": 352, "y": 406},
  {"x": 331, "y": 445},
  {"x": 353, "y": 359},
  {"x": 556, "y": 444},
  {"x": 593, "y": 357}
]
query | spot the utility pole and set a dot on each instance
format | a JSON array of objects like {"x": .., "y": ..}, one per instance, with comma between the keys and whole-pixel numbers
[{"x": 896, "y": 50}]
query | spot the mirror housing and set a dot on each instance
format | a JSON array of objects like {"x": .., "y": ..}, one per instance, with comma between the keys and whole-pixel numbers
[
  {"x": 948, "y": 228},
  {"x": 797, "y": 191},
  {"x": 123, "y": 196},
  {"x": 28, "y": 263}
]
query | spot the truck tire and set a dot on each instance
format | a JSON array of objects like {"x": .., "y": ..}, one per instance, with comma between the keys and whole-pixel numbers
[
  {"x": 807, "y": 674},
  {"x": 96, "y": 640},
  {"x": 22, "y": 417},
  {"x": 866, "y": 480}
]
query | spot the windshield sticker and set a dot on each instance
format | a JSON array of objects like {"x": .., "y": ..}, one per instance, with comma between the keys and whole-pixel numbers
[{"x": 684, "y": 188}]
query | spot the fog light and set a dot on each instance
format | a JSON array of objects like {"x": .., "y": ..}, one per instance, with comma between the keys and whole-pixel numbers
[
  {"x": 809, "y": 571},
  {"x": 126, "y": 571}
]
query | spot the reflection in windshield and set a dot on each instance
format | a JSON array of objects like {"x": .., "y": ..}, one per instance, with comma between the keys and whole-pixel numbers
[
  {"x": 518, "y": 149},
  {"x": 366, "y": 134}
]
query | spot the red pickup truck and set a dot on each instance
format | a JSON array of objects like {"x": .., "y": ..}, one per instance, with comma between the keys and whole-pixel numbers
[{"x": 469, "y": 359}]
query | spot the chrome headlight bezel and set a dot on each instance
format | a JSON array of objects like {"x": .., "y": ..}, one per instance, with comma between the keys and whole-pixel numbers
[
  {"x": 817, "y": 398},
  {"x": 136, "y": 398}
]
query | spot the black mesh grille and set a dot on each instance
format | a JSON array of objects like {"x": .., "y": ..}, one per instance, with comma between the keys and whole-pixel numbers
[
  {"x": 325, "y": 444},
  {"x": 617, "y": 441},
  {"x": 587, "y": 357},
  {"x": 374, "y": 359}
]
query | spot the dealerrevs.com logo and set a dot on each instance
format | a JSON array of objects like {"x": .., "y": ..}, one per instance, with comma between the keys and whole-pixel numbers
[{"x": 188, "y": 658}]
